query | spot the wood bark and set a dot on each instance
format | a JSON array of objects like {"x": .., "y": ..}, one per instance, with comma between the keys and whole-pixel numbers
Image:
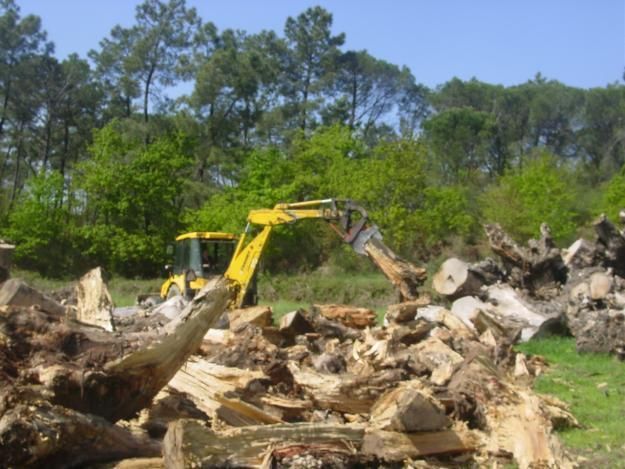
[
  {"x": 611, "y": 244},
  {"x": 16, "y": 292}
]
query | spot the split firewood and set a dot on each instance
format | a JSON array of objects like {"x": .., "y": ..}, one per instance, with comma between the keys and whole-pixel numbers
[
  {"x": 410, "y": 407},
  {"x": 404, "y": 275},
  {"x": 216, "y": 389},
  {"x": 260, "y": 316},
  {"x": 455, "y": 278},
  {"x": 349, "y": 316},
  {"x": 94, "y": 304}
]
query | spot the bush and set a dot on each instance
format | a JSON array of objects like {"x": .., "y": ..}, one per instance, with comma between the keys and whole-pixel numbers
[{"x": 540, "y": 191}]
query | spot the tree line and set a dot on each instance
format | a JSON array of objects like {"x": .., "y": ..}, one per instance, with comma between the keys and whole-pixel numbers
[{"x": 102, "y": 163}]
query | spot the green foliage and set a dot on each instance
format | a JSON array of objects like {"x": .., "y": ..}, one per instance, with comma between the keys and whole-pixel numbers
[
  {"x": 40, "y": 225},
  {"x": 134, "y": 195},
  {"x": 613, "y": 196},
  {"x": 540, "y": 191}
]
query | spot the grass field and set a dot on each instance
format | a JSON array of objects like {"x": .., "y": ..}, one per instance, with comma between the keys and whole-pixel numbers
[{"x": 594, "y": 387}]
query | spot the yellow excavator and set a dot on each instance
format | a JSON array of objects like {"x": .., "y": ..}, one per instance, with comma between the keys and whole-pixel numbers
[{"x": 198, "y": 256}]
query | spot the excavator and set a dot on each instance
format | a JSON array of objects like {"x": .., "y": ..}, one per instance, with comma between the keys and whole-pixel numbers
[{"x": 198, "y": 256}]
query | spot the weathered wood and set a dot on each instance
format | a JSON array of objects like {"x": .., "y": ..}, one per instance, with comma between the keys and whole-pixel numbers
[
  {"x": 37, "y": 433},
  {"x": 581, "y": 254},
  {"x": 190, "y": 444},
  {"x": 600, "y": 285},
  {"x": 410, "y": 407},
  {"x": 261, "y": 316},
  {"x": 398, "y": 447},
  {"x": 207, "y": 385},
  {"x": 94, "y": 304},
  {"x": 517, "y": 421},
  {"x": 344, "y": 392},
  {"x": 350, "y": 316},
  {"x": 455, "y": 278},
  {"x": 405, "y": 276},
  {"x": 539, "y": 268},
  {"x": 94, "y": 371},
  {"x": 16, "y": 292}
]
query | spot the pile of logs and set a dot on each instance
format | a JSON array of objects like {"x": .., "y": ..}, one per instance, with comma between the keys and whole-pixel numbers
[
  {"x": 82, "y": 384},
  {"x": 539, "y": 288}
]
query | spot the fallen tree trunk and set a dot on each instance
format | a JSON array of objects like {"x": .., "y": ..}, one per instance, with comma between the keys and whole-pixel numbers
[
  {"x": 190, "y": 444},
  {"x": 405, "y": 276}
]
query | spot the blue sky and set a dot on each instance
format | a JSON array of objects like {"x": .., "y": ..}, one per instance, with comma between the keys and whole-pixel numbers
[{"x": 579, "y": 42}]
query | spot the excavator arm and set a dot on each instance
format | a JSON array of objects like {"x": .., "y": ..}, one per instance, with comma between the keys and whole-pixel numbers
[{"x": 350, "y": 221}]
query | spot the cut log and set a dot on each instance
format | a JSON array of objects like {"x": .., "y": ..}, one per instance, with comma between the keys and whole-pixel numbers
[
  {"x": 94, "y": 304},
  {"x": 517, "y": 421},
  {"x": 399, "y": 447},
  {"x": 190, "y": 444},
  {"x": 455, "y": 278},
  {"x": 405, "y": 276},
  {"x": 410, "y": 407},
  {"x": 260, "y": 316},
  {"x": 406, "y": 311},
  {"x": 350, "y": 316},
  {"x": 16, "y": 292}
]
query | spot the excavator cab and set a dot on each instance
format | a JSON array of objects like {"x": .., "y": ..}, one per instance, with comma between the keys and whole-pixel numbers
[{"x": 198, "y": 256}]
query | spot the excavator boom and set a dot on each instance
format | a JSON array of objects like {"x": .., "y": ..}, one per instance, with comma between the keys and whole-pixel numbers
[{"x": 350, "y": 221}]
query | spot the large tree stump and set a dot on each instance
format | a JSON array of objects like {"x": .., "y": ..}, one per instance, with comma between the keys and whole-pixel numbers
[
  {"x": 539, "y": 268},
  {"x": 94, "y": 304}
]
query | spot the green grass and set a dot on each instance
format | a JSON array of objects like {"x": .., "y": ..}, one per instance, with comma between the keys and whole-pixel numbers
[
  {"x": 124, "y": 291},
  {"x": 285, "y": 293},
  {"x": 594, "y": 387}
]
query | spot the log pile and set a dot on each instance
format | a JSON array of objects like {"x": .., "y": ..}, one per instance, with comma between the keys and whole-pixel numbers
[
  {"x": 540, "y": 289},
  {"x": 319, "y": 388}
]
